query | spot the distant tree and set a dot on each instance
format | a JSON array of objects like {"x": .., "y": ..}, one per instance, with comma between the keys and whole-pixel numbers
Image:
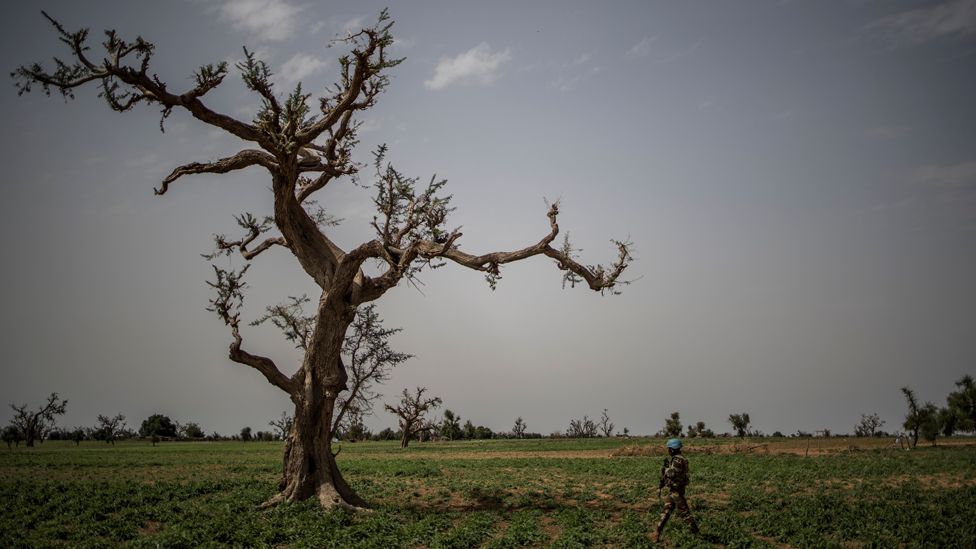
[
  {"x": 59, "y": 433},
  {"x": 519, "y": 428},
  {"x": 468, "y": 431},
  {"x": 948, "y": 421},
  {"x": 411, "y": 411},
  {"x": 357, "y": 430},
  {"x": 581, "y": 428},
  {"x": 282, "y": 425},
  {"x": 778, "y": 434},
  {"x": 606, "y": 426},
  {"x": 386, "y": 434},
  {"x": 913, "y": 420},
  {"x": 78, "y": 434},
  {"x": 429, "y": 430},
  {"x": 246, "y": 434},
  {"x": 369, "y": 359},
  {"x": 193, "y": 430},
  {"x": 962, "y": 405},
  {"x": 483, "y": 433},
  {"x": 109, "y": 429},
  {"x": 740, "y": 422},
  {"x": 12, "y": 435},
  {"x": 158, "y": 425},
  {"x": 929, "y": 422},
  {"x": 451, "y": 425},
  {"x": 868, "y": 425},
  {"x": 672, "y": 426},
  {"x": 626, "y": 432},
  {"x": 35, "y": 425},
  {"x": 699, "y": 430}
]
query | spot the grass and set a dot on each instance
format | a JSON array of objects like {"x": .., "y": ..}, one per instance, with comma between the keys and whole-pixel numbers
[{"x": 496, "y": 494}]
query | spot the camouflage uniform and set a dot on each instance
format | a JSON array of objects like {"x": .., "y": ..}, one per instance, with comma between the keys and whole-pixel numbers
[{"x": 674, "y": 475}]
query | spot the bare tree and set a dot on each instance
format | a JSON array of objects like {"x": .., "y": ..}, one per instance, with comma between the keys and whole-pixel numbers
[
  {"x": 34, "y": 426},
  {"x": 282, "y": 425},
  {"x": 109, "y": 429},
  {"x": 606, "y": 426},
  {"x": 868, "y": 425},
  {"x": 411, "y": 411},
  {"x": 740, "y": 422},
  {"x": 581, "y": 428},
  {"x": 519, "y": 428},
  {"x": 303, "y": 153},
  {"x": 370, "y": 359},
  {"x": 428, "y": 430},
  {"x": 913, "y": 421}
]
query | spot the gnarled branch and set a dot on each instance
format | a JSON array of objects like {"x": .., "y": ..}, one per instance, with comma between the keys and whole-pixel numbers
[
  {"x": 239, "y": 161},
  {"x": 362, "y": 78},
  {"x": 400, "y": 260},
  {"x": 140, "y": 86},
  {"x": 230, "y": 287}
]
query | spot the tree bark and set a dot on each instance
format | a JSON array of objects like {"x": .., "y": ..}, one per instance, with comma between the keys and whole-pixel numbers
[{"x": 309, "y": 467}]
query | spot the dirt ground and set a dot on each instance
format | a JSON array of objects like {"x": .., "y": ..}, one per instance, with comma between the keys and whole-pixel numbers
[
  {"x": 797, "y": 446},
  {"x": 813, "y": 446}
]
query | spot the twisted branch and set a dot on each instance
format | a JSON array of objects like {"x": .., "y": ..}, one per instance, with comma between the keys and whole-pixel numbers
[{"x": 241, "y": 160}]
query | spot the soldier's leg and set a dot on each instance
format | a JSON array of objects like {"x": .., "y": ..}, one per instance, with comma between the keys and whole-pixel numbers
[
  {"x": 685, "y": 512},
  {"x": 665, "y": 513}
]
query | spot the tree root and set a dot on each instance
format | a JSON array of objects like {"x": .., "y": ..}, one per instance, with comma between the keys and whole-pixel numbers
[
  {"x": 273, "y": 502},
  {"x": 328, "y": 499}
]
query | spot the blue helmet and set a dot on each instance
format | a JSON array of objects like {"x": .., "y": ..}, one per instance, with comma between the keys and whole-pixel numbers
[{"x": 674, "y": 444}]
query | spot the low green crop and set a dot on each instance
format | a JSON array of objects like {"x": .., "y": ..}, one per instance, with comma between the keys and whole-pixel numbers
[{"x": 496, "y": 494}]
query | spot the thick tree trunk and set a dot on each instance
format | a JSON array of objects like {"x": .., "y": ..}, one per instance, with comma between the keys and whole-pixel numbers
[{"x": 309, "y": 468}]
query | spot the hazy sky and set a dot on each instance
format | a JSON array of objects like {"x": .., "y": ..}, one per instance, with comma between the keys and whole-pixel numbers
[{"x": 799, "y": 180}]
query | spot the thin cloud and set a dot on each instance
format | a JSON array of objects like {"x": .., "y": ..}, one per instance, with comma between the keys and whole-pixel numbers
[
  {"x": 479, "y": 65},
  {"x": 640, "y": 49},
  {"x": 570, "y": 74},
  {"x": 299, "y": 67},
  {"x": 948, "y": 19},
  {"x": 958, "y": 175},
  {"x": 645, "y": 49},
  {"x": 318, "y": 26},
  {"x": 404, "y": 43},
  {"x": 583, "y": 59},
  {"x": 352, "y": 26},
  {"x": 271, "y": 20}
]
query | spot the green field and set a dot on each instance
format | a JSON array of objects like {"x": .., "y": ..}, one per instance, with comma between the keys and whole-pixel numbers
[{"x": 534, "y": 493}]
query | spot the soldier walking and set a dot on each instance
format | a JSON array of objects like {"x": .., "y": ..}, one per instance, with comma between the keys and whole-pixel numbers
[{"x": 674, "y": 477}]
